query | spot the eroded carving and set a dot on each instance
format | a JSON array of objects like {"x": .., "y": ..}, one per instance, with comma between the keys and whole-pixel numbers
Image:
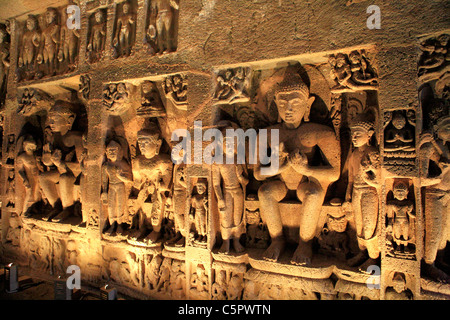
[
  {"x": 198, "y": 213},
  {"x": 352, "y": 72},
  {"x": 125, "y": 30},
  {"x": 116, "y": 172},
  {"x": 175, "y": 88},
  {"x": 97, "y": 35},
  {"x": 161, "y": 30}
]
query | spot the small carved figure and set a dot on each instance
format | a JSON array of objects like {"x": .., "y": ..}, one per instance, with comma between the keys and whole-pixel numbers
[
  {"x": 218, "y": 289},
  {"x": 28, "y": 166},
  {"x": 31, "y": 42},
  {"x": 199, "y": 283},
  {"x": 109, "y": 94},
  {"x": 229, "y": 183},
  {"x": 120, "y": 97},
  {"x": 163, "y": 29},
  {"x": 235, "y": 287},
  {"x": 116, "y": 172},
  {"x": 434, "y": 60},
  {"x": 50, "y": 42},
  {"x": 68, "y": 49},
  {"x": 11, "y": 149},
  {"x": 179, "y": 204},
  {"x": 232, "y": 85},
  {"x": 398, "y": 290},
  {"x": 4, "y": 60},
  {"x": 362, "y": 194},
  {"x": 97, "y": 37},
  {"x": 152, "y": 272},
  {"x": 11, "y": 190},
  {"x": 341, "y": 71},
  {"x": 116, "y": 98},
  {"x": 199, "y": 209},
  {"x": 85, "y": 86},
  {"x": 151, "y": 104},
  {"x": 164, "y": 276},
  {"x": 257, "y": 233},
  {"x": 175, "y": 88},
  {"x": 399, "y": 137},
  {"x": 177, "y": 282},
  {"x": 400, "y": 216},
  {"x": 334, "y": 239},
  {"x": 360, "y": 69},
  {"x": 125, "y": 27}
]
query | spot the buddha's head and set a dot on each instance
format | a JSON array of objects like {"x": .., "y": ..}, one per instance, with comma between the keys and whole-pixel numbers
[{"x": 293, "y": 100}]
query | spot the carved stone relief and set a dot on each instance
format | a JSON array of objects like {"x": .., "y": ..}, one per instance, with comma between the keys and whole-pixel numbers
[
  {"x": 124, "y": 29},
  {"x": 97, "y": 35},
  {"x": 162, "y": 26},
  {"x": 47, "y": 45},
  {"x": 361, "y": 182}
]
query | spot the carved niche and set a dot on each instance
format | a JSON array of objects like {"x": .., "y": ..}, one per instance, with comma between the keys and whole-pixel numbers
[
  {"x": 5, "y": 43},
  {"x": 116, "y": 98},
  {"x": 47, "y": 46},
  {"x": 124, "y": 32},
  {"x": 96, "y": 38},
  {"x": 162, "y": 26}
]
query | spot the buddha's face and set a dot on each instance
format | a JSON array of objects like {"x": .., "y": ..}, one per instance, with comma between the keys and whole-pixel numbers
[
  {"x": 112, "y": 152},
  {"x": 29, "y": 146},
  {"x": 126, "y": 8},
  {"x": 228, "y": 147},
  {"x": 399, "y": 286},
  {"x": 292, "y": 107},
  {"x": 354, "y": 58},
  {"x": 149, "y": 146},
  {"x": 332, "y": 61},
  {"x": 360, "y": 137},
  {"x": 50, "y": 16},
  {"x": 337, "y": 224},
  {"x": 340, "y": 61},
  {"x": 31, "y": 24},
  {"x": 59, "y": 123},
  {"x": 399, "y": 121},
  {"x": 201, "y": 187},
  {"x": 146, "y": 87},
  {"x": 400, "y": 192},
  {"x": 98, "y": 17},
  {"x": 121, "y": 88}
]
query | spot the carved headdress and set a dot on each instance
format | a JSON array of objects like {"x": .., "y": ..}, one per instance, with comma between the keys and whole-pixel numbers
[{"x": 292, "y": 82}]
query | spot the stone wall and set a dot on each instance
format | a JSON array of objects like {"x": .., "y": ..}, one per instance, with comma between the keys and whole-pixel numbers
[{"x": 358, "y": 210}]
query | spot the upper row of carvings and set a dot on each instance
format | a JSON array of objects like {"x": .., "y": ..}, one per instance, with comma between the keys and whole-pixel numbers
[{"x": 48, "y": 46}]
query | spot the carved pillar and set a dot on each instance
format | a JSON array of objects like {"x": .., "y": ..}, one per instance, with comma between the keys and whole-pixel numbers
[
  {"x": 400, "y": 257},
  {"x": 140, "y": 24},
  {"x": 83, "y": 34},
  {"x": 110, "y": 21},
  {"x": 95, "y": 138}
]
